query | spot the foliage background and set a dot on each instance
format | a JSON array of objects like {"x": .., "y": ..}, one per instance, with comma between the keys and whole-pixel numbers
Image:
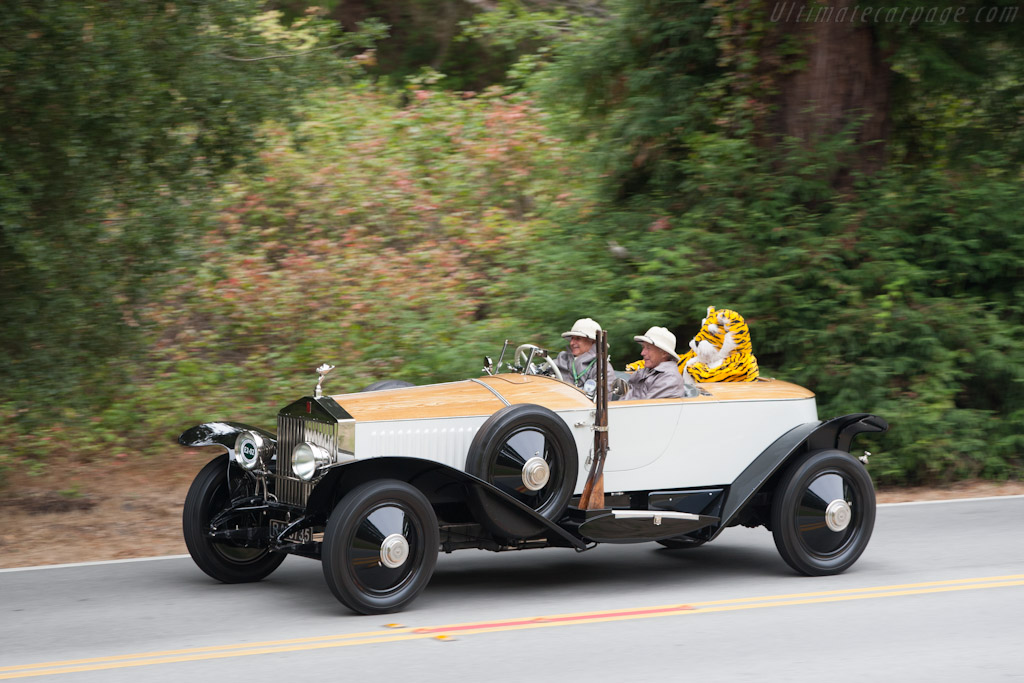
[{"x": 186, "y": 236}]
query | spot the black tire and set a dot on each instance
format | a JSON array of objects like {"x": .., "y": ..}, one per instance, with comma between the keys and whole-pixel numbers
[
  {"x": 388, "y": 384},
  {"x": 356, "y": 532},
  {"x": 209, "y": 495},
  {"x": 681, "y": 543},
  {"x": 498, "y": 454},
  {"x": 807, "y": 539}
]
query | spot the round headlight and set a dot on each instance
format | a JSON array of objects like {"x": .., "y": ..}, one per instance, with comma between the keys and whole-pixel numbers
[
  {"x": 307, "y": 458},
  {"x": 248, "y": 447}
]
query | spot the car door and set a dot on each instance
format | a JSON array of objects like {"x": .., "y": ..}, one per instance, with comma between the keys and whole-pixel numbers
[{"x": 639, "y": 432}]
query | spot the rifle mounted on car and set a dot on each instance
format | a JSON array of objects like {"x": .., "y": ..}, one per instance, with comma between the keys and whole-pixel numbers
[{"x": 593, "y": 491}]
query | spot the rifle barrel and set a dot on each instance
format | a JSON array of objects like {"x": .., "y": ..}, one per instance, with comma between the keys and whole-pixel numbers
[{"x": 593, "y": 492}]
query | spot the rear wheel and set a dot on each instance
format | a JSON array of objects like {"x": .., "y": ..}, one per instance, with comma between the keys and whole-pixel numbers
[
  {"x": 211, "y": 493},
  {"x": 380, "y": 546},
  {"x": 823, "y": 513}
]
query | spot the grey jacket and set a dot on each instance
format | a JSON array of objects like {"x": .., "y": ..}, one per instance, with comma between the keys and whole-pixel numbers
[
  {"x": 585, "y": 367},
  {"x": 664, "y": 381}
]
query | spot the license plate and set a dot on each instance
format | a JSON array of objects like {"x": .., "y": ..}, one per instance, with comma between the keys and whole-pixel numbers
[{"x": 297, "y": 536}]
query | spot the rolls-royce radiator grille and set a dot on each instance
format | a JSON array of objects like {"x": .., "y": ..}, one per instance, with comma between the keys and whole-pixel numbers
[{"x": 291, "y": 431}]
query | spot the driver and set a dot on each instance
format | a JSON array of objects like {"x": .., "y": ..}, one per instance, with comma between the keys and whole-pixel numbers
[
  {"x": 659, "y": 378},
  {"x": 578, "y": 364}
]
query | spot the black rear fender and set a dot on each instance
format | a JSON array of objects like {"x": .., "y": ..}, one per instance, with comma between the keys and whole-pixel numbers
[
  {"x": 761, "y": 475},
  {"x": 839, "y": 432}
]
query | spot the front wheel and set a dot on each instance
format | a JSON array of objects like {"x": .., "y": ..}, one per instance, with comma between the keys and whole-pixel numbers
[
  {"x": 380, "y": 546},
  {"x": 211, "y": 493},
  {"x": 823, "y": 513}
]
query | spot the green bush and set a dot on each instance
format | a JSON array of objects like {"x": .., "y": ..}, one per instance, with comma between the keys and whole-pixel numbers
[
  {"x": 404, "y": 233},
  {"x": 380, "y": 236},
  {"x": 901, "y": 299}
]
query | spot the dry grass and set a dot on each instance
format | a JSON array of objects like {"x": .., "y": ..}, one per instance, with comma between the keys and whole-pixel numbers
[{"x": 86, "y": 512}]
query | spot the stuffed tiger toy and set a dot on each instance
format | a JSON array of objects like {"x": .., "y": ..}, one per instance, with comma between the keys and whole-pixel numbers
[{"x": 721, "y": 351}]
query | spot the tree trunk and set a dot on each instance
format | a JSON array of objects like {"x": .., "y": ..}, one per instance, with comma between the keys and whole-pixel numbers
[{"x": 845, "y": 84}]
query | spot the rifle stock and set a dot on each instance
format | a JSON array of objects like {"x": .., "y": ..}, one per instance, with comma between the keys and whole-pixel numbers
[{"x": 593, "y": 491}]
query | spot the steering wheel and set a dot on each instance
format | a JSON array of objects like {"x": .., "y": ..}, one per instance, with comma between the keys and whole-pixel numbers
[{"x": 540, "y": 358}]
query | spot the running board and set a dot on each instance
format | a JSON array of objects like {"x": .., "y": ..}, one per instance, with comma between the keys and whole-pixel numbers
[{"x": 639, "y": 526}]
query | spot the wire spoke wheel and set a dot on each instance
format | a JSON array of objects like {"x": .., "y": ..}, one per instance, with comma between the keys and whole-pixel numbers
[
  {"x": 213, "y": 490},
  {"x": 812, "y": 520},
  {"x": 823, "y": 513},
  {"x": 387, "y": 532},
  {"x": 380, "y": 546},
  {"x": 525, "y": 448},
  {"x": 528, "y": 453}
]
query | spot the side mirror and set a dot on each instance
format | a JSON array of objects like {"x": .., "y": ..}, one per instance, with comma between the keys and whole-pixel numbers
[
  {"x": 590, "y": 388},
  {"x": 488, "y": 365}
]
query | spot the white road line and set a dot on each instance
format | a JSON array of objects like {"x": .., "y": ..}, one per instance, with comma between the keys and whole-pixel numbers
[
  {"x": 94, "y": 564},
  {"x": 949, "y": 500}
]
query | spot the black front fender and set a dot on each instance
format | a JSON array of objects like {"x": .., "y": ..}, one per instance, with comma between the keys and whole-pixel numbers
[
  {"x": 221, "y": 434},
  {"x": 440, "y": 483}
]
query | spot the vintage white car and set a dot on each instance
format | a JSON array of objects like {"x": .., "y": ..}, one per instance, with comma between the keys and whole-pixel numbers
[{"x": 375, "y": 483}]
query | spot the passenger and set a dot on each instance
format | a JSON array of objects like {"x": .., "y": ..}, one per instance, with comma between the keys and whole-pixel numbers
[
  {"x": 578, "y": 364},
  {"x": 659, "y": 378}
]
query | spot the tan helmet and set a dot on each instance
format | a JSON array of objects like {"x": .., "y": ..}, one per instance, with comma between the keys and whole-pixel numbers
[
  {"x": 661, "y": 338},
  {"x": 584, "y": 327}
]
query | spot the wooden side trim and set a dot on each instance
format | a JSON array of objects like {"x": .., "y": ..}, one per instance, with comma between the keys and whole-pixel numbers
[
  {"x": 486, "y": 395},
  {"x": 453, "y": 399},
  {"x": 717, "y": 392}
]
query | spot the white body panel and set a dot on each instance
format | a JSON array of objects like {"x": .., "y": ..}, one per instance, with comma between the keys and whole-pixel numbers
[
  {"x": 446, "y": 439},
  {"x": 664, "y": 444},
  {"x": 443, "y": 439},
  {"x": 696, "y": 444}
]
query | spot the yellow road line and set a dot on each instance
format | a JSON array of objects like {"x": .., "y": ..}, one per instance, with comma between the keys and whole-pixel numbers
[
  {"x": 841, "y": 591},
  {"x": 472, "y": 628},
  {"x": 210, "y": 648}
]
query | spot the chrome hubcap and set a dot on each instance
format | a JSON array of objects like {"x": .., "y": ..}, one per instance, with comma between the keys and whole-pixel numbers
[
  {"x": 394, "y": 551},
  {"x": 536, "y": 473},
  {"x": 838, "y": 515}
]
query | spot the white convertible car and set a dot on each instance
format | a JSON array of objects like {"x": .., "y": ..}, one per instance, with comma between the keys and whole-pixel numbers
[{"x": 375, "y": 483}]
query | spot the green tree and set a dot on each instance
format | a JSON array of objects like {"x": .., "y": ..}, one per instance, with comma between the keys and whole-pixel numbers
[
  {"x": 846, "y": 185},
  {"x": 115, "y": 120}
]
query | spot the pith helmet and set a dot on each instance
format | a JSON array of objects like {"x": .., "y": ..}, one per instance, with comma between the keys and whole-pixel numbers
[
  {"x": 661, "y": 338},
  {"x": 584, "y": 327}
]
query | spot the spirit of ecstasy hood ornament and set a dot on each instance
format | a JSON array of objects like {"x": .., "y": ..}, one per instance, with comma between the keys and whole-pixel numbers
[{"x": 322, "y": 371}]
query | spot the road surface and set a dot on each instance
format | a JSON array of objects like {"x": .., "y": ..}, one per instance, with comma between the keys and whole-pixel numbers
[{"x": 937, "y": 596}]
